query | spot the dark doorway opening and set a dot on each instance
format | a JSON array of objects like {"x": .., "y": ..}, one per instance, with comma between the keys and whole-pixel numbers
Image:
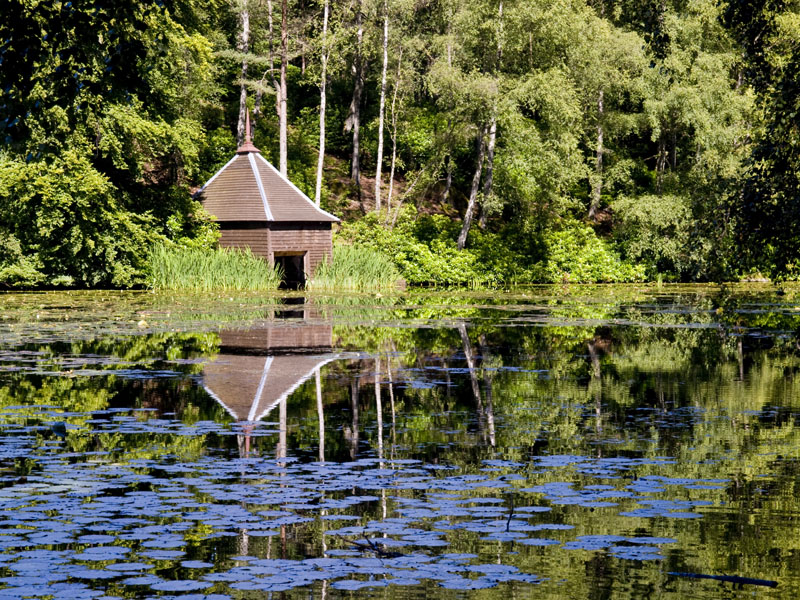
[
  {"x": 292, "y": 267},
  {"x": 297, "y": 313}
]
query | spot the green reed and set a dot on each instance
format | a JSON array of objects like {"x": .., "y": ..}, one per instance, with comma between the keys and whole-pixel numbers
[
  {"x": 355, "y": 269},
  {"x": 192, "y": 269}
]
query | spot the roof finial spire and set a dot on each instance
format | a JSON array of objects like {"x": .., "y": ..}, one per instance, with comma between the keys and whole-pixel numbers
[{"x": 247, "y": 146}]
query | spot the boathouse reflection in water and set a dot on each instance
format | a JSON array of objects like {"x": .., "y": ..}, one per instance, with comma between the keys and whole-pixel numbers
[{"x": 258, "y": 369}]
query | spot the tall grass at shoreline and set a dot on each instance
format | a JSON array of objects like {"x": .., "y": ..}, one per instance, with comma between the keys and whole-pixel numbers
[
  {"x": 198, "y": 270},
  {"x": 355, "y": 269}
]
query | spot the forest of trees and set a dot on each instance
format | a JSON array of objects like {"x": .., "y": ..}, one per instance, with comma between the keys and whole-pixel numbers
[{"x": 489, "y": 140}]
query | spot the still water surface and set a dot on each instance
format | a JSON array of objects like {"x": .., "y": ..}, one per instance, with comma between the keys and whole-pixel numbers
[{"x": 547, "y": 443}]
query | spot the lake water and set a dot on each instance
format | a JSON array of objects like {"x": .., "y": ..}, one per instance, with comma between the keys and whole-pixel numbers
[{"x": 607, "y": 442}]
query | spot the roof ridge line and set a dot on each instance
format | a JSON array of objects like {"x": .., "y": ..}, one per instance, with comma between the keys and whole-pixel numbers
[
  {"x": 260, "y": 184},
  {"x": 296, "y": 385},
  {"x": 294, "y": 187}
]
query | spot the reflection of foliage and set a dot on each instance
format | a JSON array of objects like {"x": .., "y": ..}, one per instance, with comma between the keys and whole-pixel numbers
[{"x": 688, "y": 376}]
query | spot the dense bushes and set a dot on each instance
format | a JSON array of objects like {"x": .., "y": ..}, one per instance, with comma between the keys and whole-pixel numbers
[
  {"x": 574, "y": 254},
  {"x": 65, "y": 224},
  {"x": 424, "y": 250}
]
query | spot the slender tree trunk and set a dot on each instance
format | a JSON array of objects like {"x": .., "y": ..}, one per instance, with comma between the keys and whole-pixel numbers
[
  {"x": 275, "y": 82},
  {"x": 391, "y": 403},
  {"x": 379, "y": 158},
  {"x": 487, "y": 183},
  {"x": 354, "y": 410},
  {"x": 320, "y": 415},
  {"x": 394, "y": 134},
  {"x": 355, "y": 170},
  {"x": 322, "y": 103},
  {"x": 597, "y": 184},
  {"x": 243, "y": 46},
  {"x": 473, "y": 194},
  {"x": 661, "y": 163},
  {"x": 256, "y": 114},
  {"x": 280, "y": 451},
  {"x": 353, "y": 121},
  {"x": 487, "y": 387},
  {"x": 674, "y": 150},
  {"x": 379, "y": 409},
  {"x": 448, "y": 181},
  {"x": 473, "y": 378},
  {"x": 302, "y": 58},
  {"x": 282, "y": 143}
]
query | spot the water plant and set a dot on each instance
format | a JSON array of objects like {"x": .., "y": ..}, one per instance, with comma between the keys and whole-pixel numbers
[
  {"x": 355, "y": 268},
  {"x": 174, "y": 267}
]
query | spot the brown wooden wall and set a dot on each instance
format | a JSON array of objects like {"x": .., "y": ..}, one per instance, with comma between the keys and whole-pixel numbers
[
  {"x": 242, "y": 236},
  {"x": 313, "y": 238},
  {"x": 279, "y": 338},
  {"x": 265, "y": 239}
]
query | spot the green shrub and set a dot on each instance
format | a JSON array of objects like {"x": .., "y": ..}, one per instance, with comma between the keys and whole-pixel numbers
[
  {"x": 424, "y": 250},
  {"x": 574, "y": 254},
  {"x": 656, "y": 231},
  {"x": 200, "y": 270},
  {"x": 63, "y": 217},
  {"x": 355, "y": 268}
]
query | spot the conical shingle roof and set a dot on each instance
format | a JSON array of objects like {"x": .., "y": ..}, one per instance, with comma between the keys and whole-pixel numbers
[{"x": 249, "y": 188}]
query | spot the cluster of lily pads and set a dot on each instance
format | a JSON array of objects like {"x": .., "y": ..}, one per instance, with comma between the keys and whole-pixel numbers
[{"x": 89, "y": 523}]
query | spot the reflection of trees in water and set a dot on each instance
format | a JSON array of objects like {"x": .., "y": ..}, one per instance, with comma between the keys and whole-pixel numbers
[{"x": 694, "y": 394}]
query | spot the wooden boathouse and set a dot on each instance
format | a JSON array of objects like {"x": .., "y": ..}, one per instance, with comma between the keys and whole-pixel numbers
[{"x": 260, "y": 209}]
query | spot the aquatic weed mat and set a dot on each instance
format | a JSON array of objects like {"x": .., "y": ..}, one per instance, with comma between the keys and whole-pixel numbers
[{"x": 43, "y": 317}]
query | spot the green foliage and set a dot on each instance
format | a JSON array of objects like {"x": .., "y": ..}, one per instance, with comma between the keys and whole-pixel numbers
[
  {"x": 424, "y": 250},
  {"x": 421, "y": 261},
  {"x": 574, "y": 254},
  {"x": 355, "y": 268},
  {"x": 654, "y": 231},
  {"x": 768, "y": 210},
  {"x": 101, "y": 111},
  {"x": 65, "y": 220},
  {"x": 678, "y": 118},
  {"x": 201, "y": 270},
  {"x": 17, "y": 269}
]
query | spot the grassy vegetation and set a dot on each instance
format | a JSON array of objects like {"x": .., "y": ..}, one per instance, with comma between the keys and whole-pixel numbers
[
  {"x": 356, "y": 269},
  {"x": 199, "y": 270}
]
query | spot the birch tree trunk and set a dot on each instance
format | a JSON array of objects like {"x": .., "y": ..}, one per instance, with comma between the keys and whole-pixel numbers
[
  {"x": 243, "y": 46},
  {"x": 282, "y": 143},
  {"x": 661, "y": 163},
  {"x": 275, "y": 82},
  {"x": 448, "y": 181},
  {"x": 487, "y": 183},
  {"x": 322, "y": 103},
  {"x": 473, "y": 194},
  {"x": 353, "y": 121},
  {"x": 379, "y": 158},
  {"x": 257, "y": 105},
  {"x": 394, "y": 134},
  {"x": 597, "y": 184},
  {"x": 320, "y": 415}
]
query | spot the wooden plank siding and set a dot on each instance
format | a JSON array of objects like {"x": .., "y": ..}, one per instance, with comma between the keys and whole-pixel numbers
[
  {"x": 266, "y": 238},
  {"x": 315, "y": 239},
  {"x": 279, "y": 338}
]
